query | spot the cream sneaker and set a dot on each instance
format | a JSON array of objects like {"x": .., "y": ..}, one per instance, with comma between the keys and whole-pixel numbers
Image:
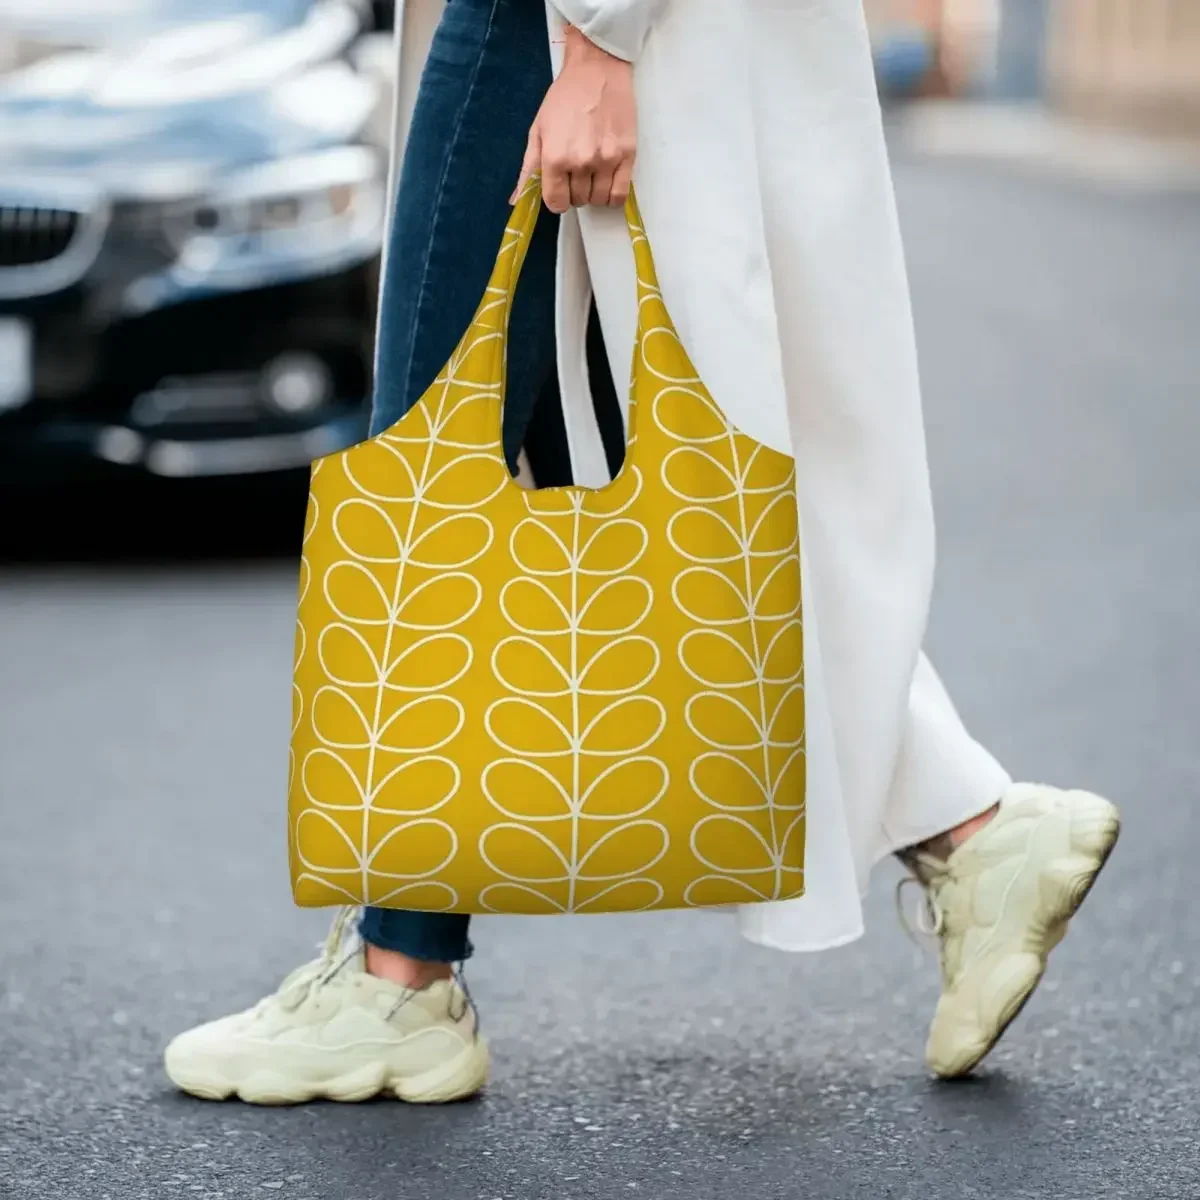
[
  {"x": 999, "y": 904},
  {"x": 334, "y": 1032}
]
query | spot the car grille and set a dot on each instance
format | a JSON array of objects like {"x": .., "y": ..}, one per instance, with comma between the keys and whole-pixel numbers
[{"x": 31, "y": 237}]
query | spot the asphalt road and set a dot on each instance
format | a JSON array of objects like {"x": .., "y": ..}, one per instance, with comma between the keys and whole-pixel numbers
[{"x": 142, "y": 867}]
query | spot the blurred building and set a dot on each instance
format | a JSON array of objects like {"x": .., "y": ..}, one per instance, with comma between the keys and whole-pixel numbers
[
  {"x": 1129, "y": 62},
  {"x": 1020, "y": 63},
  {"x": 931, "y": 48}
]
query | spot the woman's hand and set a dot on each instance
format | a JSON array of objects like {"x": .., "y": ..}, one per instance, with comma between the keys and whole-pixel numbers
[{"x": 585, "y": 134}]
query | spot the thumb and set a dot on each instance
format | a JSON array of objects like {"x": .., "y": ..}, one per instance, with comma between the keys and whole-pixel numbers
[{"x": 530, "y": 165}]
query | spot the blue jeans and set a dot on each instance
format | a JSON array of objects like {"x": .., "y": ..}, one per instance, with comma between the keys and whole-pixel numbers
[{"x": 486, "y": 75}]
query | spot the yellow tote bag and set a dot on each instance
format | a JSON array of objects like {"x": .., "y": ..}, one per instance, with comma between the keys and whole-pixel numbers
[{"x": 566, "y": 700}]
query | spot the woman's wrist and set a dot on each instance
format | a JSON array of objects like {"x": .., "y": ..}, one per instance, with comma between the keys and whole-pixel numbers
[{"x": 578, "y": 48}]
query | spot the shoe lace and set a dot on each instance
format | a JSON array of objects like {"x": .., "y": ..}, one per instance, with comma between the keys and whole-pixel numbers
[
  {"x": 458, "y": 975},
  {"x": 928, "y": 919},
  {"x": 303, "y": 981}
]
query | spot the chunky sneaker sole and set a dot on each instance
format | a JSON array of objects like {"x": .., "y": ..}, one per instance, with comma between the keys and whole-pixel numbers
[
  {"x": 1069, "y": 839},
  {"x": 306, "y": 1078}
]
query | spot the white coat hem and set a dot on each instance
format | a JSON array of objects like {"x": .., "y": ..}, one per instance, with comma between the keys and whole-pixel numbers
[
  {"x": 748, "y": 919},
  {"x": 768, "y": 942}
]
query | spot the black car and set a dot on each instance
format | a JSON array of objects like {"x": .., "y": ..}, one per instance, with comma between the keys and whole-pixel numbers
[{"x": 192, "y": 197}]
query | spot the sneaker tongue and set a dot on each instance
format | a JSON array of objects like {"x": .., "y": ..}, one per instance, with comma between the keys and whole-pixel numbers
[
  {"x": 924, "y": 866},
  {"x": 344, "y": 947},
  {"x": 355, "y": 960},
  {"x": 347, "y": 955}
]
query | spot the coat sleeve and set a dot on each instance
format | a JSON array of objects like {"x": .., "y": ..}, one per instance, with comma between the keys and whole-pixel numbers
[{"x": 618, "y": 26}]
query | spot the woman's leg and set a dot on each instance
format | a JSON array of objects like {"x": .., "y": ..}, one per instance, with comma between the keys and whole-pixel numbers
[
  {"x": 485, "y": 79},
  {"x": 486, "y": 75},
  {"x": 487, "y": 72},
  {"x": 413, "y": 948}
]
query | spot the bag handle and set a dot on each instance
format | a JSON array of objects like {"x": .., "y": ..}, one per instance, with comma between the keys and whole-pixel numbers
[{"x": 492, "y": 316}]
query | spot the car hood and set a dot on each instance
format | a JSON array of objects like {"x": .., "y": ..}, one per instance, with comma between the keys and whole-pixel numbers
[{"x": 163, "y": 113}]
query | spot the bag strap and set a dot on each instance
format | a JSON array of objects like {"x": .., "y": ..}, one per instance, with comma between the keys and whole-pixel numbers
[{"x": 492, "y": 316}]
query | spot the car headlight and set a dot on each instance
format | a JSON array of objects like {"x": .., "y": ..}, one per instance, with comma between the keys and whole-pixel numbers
[{"x": 299, "y": 209}]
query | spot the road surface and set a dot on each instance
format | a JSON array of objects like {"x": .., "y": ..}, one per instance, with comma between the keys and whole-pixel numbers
[{"x": 142, "y": 864}]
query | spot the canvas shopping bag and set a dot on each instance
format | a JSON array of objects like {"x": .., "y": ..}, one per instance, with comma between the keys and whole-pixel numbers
[{"x": 565, "y": 700}]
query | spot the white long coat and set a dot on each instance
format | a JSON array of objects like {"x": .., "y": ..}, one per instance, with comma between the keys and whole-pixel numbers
[{"x": 764, "y": 186}]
